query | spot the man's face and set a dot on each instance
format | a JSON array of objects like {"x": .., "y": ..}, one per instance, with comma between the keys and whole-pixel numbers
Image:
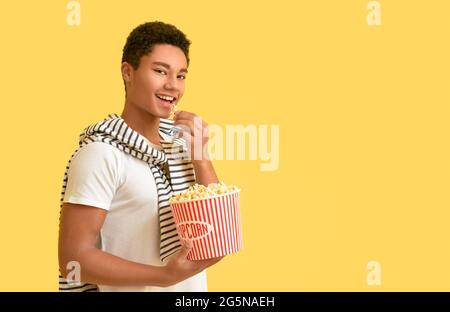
[{"x": 161, "y": 73}]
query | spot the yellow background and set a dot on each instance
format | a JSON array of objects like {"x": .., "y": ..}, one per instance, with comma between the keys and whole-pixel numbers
[{"x": 363, "y": 114}]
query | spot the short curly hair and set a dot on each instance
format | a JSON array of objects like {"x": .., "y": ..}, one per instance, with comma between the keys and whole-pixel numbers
[{"x": 142, "y": 39}]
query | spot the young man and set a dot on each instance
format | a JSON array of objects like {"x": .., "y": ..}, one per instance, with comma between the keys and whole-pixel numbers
[{"x": 116, "y": 229}]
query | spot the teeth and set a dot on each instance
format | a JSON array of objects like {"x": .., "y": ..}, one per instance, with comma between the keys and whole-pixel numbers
[{"x": 164, "y": 97}]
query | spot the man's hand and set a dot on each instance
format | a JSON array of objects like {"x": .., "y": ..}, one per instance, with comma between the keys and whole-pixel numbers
[
  {"x": 195, "y": 132},
  {"x": 179, "y": 268}
]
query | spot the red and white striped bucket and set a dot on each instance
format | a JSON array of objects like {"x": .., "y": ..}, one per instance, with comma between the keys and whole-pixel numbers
[{"x": 212, "y": 224}]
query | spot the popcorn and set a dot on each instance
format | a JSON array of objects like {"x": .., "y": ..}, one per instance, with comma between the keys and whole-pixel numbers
[
  {"x": 198, "y": 191},
  {"x": 209, "y": 217},
  {"x": 173, "y": 110}
]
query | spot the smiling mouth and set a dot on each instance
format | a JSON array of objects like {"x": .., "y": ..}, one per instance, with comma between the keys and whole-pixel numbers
[{"x": 166, "y": 98}]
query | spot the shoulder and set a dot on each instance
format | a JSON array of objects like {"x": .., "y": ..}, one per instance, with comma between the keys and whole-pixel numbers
[
  {"x": 98, "y": 155},
  {"x": 93, "y": 175},
  {"x": 98, "y": 150}
]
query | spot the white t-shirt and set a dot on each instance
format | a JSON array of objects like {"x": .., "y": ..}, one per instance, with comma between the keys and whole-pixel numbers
[{"x": 102, "y": 176}]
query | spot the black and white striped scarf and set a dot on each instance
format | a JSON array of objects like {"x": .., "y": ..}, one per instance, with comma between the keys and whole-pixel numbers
[{"x": 172, "y": 170}]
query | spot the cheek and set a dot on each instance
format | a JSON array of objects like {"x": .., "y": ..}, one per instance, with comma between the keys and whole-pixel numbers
[
  {"x": 146, "y": 85},
  {"x": 181, "y": 88}
]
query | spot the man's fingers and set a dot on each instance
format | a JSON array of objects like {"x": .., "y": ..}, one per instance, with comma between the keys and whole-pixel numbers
[
  {"x": 185, "y": 125},
  {"x": 215, "y": 260},
  {"x": 187, "y": 243},
  {"x": 186, "y": 246},
  {"x": 185, "y": 115},
  {"x": 209, "y": 262}
]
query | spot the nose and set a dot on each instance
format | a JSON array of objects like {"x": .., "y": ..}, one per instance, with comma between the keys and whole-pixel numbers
[{"x": 171, "y": 82}]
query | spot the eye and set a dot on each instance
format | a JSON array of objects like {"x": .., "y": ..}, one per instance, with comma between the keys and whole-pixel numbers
[
  {"x": 182, "y": 77},
  {"x": 160, "y": 71}
]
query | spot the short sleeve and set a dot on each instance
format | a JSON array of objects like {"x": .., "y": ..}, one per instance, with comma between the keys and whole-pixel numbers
[{"x": 93, "y": 175}]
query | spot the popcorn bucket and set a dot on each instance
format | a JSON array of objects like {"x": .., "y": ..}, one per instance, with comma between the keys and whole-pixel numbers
[{"x": 213, "y": 225}]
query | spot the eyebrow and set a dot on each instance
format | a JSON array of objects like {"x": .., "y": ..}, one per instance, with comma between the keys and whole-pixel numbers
[{"x": 184, "y": 70}]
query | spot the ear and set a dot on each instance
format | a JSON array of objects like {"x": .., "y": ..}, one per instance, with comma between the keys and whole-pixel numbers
[{"x": 127, "y": 72}]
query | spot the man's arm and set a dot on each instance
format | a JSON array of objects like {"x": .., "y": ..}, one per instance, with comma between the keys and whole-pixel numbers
[
  {"x": 204, "y": 172},
  {"x": 80, "y": 225},
  {"x": 79, "y": 229}
]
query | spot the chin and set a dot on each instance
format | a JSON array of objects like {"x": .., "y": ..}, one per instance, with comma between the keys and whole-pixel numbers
[
  {"x": 155, "y": 112},
  {"x": 163, "y": 115}
]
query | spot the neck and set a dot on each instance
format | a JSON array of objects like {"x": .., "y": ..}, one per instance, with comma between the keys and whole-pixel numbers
[{"x": 142, "y": 122}]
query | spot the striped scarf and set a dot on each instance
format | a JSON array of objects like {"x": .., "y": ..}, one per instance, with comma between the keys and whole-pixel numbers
[{"x": 171, "y": 169}]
